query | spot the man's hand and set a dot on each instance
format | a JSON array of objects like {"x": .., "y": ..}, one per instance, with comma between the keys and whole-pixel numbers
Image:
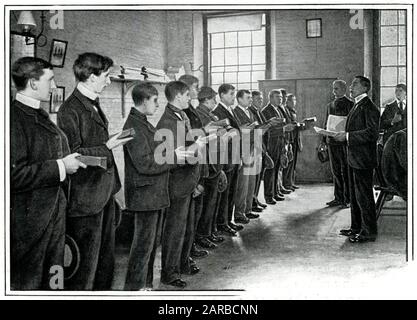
[
  {"x": 72, "y": 164},
  {"x": 114, "y": 142},
  {"x": 340, "y": 136},
  {"x": 397, "y": 118},
  {"x": 198, "y": 191},
  {"x": 289, "y": 127}
]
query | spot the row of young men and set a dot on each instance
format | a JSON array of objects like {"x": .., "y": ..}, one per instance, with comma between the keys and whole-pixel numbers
[{"x": 45, "y": 206}]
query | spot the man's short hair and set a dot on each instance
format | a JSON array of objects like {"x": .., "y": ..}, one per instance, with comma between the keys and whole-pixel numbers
[
  {"x": 290, "y": 96},
  {"x": 206, "y": 93},
  {"x": 173, "y": 88},
  {"x": 365, "y": 82},
  {"x": 241, "y": 93},
  {"x": 255, "y": 93},
  {"x": 143, "y": 91},
  {"x": 225, "y": 88},
  {"x": 27, "y": 68},
  {"x": 341, "y": 82},
  {"x": 272, "y": 92},
  {"x": 283, "y": 92},
  {"x": 188, "y": 79},
  {"x": 89, "y": 63},
  {"x": 402, "y": 86}
]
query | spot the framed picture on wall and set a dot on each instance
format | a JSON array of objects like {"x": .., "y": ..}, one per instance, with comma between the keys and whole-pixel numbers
[
  {"x": 57, "y": 99},
  {"x": 58, "y": 52}
]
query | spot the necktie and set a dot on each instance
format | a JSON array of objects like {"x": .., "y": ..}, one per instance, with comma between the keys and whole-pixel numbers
[
  {"x": 183, "y": 116},
  {"x": 100, "y": 112},
  {"x": 401, "y": 105}
]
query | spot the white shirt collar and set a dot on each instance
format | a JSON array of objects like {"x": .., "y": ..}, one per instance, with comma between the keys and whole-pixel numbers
[
  {"x": 86, "y": 92},
  {"x": 28, "y": 101},
  {"x": 404, "y": 102},
  {"x": 360, "y": 97},
  {"x": 227, "y": 108},
  {"x": 243, "y": 109}
]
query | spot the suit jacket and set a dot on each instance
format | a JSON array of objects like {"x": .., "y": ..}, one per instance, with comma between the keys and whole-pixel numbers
[
  {"x": 146, "y": 181},
  {"x": 35, "y": 145},
  {"x": 244, "y": 119},
  {"x": 275, "y": 135},
  {"x": 183, "y": 178},
  {"x": 363, "y": 125},
  {"x": 390, "y": 110},
  {"x": 296, "y": 133},
  {"x": 257, "y": 116},
  {"x": 87, "y": 132}
]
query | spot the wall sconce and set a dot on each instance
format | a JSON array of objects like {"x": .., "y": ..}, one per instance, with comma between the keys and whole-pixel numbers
[{"x": 28, "y": 24}]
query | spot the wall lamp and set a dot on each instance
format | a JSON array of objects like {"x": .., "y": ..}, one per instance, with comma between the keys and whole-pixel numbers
[{"x": 27, "y": 23}]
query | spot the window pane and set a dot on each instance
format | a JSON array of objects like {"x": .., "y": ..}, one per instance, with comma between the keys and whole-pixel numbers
[
  {"x": 255, "y": 86},
  {"x": 217, "y": 78},
  {"x": 264, "y": 19},
  {"x": 402, "y": 75},
  {"x": 244, "y": 86},
  {"x": 389, "y": 56},
  {"x": 388, "y": 76},
  {"x": 231, "y": 56},
  {"x": 387, "y": 95},
  {"x": 230, "y": 39},
  {"x": 244, "y": 56},
  {"x": 258, "y": 75},
  {"x": 258, "y": 37},
  {"x": 245, "y": 68},
  {"x": 388, "y": 36},
  {"x": 217, "y": 40},
  {"x": 258, "y": 54},
  {"x": 258, "y": 67},
  {"x": 229, "y": 69},
  {"x": 244, "y": 77},
  {"x": 401, "y": 35},
  {"x": 244, "y": 38},
  {"x": 388, "y": 17},
  {"x": 313, "y": 28},
  {"x": 217, "y": 69},
  {"x": 217, "y": 57},
  {"x": 230, "y": 77},
  {"x": 402, "y": 55},
  {"x": 401, "y": 16}
]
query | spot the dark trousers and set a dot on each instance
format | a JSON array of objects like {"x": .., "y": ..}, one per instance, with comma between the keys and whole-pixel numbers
[
  {"x": 362, "y": 202},
  {"x": 173, "y": 233},
  {"x": 339, "y": 167},
  {"x": 32, "y": 271},
  {"x": 271, "y": 175},
  {"x": 94, "y": 235},
  {"x": 142, "y": 253},
  {"x": 196, "y": 206},
  {"x": 225, "y": 213},
  {"x": 288, "y": 173},
  {"x": 211, "y": 203}
]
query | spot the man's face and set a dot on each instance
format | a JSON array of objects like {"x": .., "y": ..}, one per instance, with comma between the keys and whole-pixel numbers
[
  {"x": 183, "y": 99},
  {"x": 284, "y": 99},
  {"x": 356, "y": 89},
  {"x": 338, "y": 91},
  {"x": 276, "y": 99},
  {"x": 44, "y": 85},
  {"x": 101, "y": 81},
  {"x": 151, "y": 105},
  {"x": 228, "y": 98},
  {"x": 292, "y": 102},
  {"x": 246, "y": 100},
  {"x": 194, "y": 90},
  {"x": 257, "y": 101},
  {"x": 211, "y": 103},
  {"x": 400, "y": 94}
]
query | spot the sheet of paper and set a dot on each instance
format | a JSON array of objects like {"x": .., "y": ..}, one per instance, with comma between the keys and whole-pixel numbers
[
  {"x": 336, "y": 123},
  {"x": 325, "y": 132}
]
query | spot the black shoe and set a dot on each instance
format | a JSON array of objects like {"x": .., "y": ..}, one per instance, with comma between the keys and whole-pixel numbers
[
  {"x": 215, "y": 239},
  {"x": 178, "y": 283},
  {"x": 205, "y": 243},
  {"x": 252, "y": 215},
  {"x": 344, "y": 205},
  {"x": 279, "y": 198},
  {"x": 291, "y": 189},
  {"x": 226, "y": 230},
  {"x": 295, "y": 187},
  {"x": 270, "y": 201},
  {"x": 262, "y": 205},
  {"x": 285, "y": 191},
  {"x": 347, "y": 232},
  {"x": 236, "y": 227},
  {"x": 193, "y": 270},
  {"x": 195, "y": 253},
  {"x": 242, "y": 219},
  {"x": 359, "y": 238},
  {"x": 257, "y": 209},
  {"x": 333, "y": 203}
]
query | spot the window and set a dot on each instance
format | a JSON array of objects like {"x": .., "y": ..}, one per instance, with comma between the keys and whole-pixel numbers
[
  {"x": 313, "y": 28},
  {"x": 237, "y": 50},
  {"x": 392, "y": 52}
]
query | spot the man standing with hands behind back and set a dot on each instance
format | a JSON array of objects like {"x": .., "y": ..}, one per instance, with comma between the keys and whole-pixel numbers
[
  {"x": 361, "y": 134},
  {"x": 90, "y": 217}
]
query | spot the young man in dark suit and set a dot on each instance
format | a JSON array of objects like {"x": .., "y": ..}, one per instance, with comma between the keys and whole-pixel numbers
[
  {"x": 340, "y": 106},
  {"x": 361, "y": 135},
  {"x": 146, "y": 187},
  {"x": 183, "y": 181},
  {"x": 91, "y": 209},
  {"x": 231, "y": 167},
  {"x": 275, "y": 146},
  {"x": 394, "y": 117},
  {"x": 40, "y": 160}
]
